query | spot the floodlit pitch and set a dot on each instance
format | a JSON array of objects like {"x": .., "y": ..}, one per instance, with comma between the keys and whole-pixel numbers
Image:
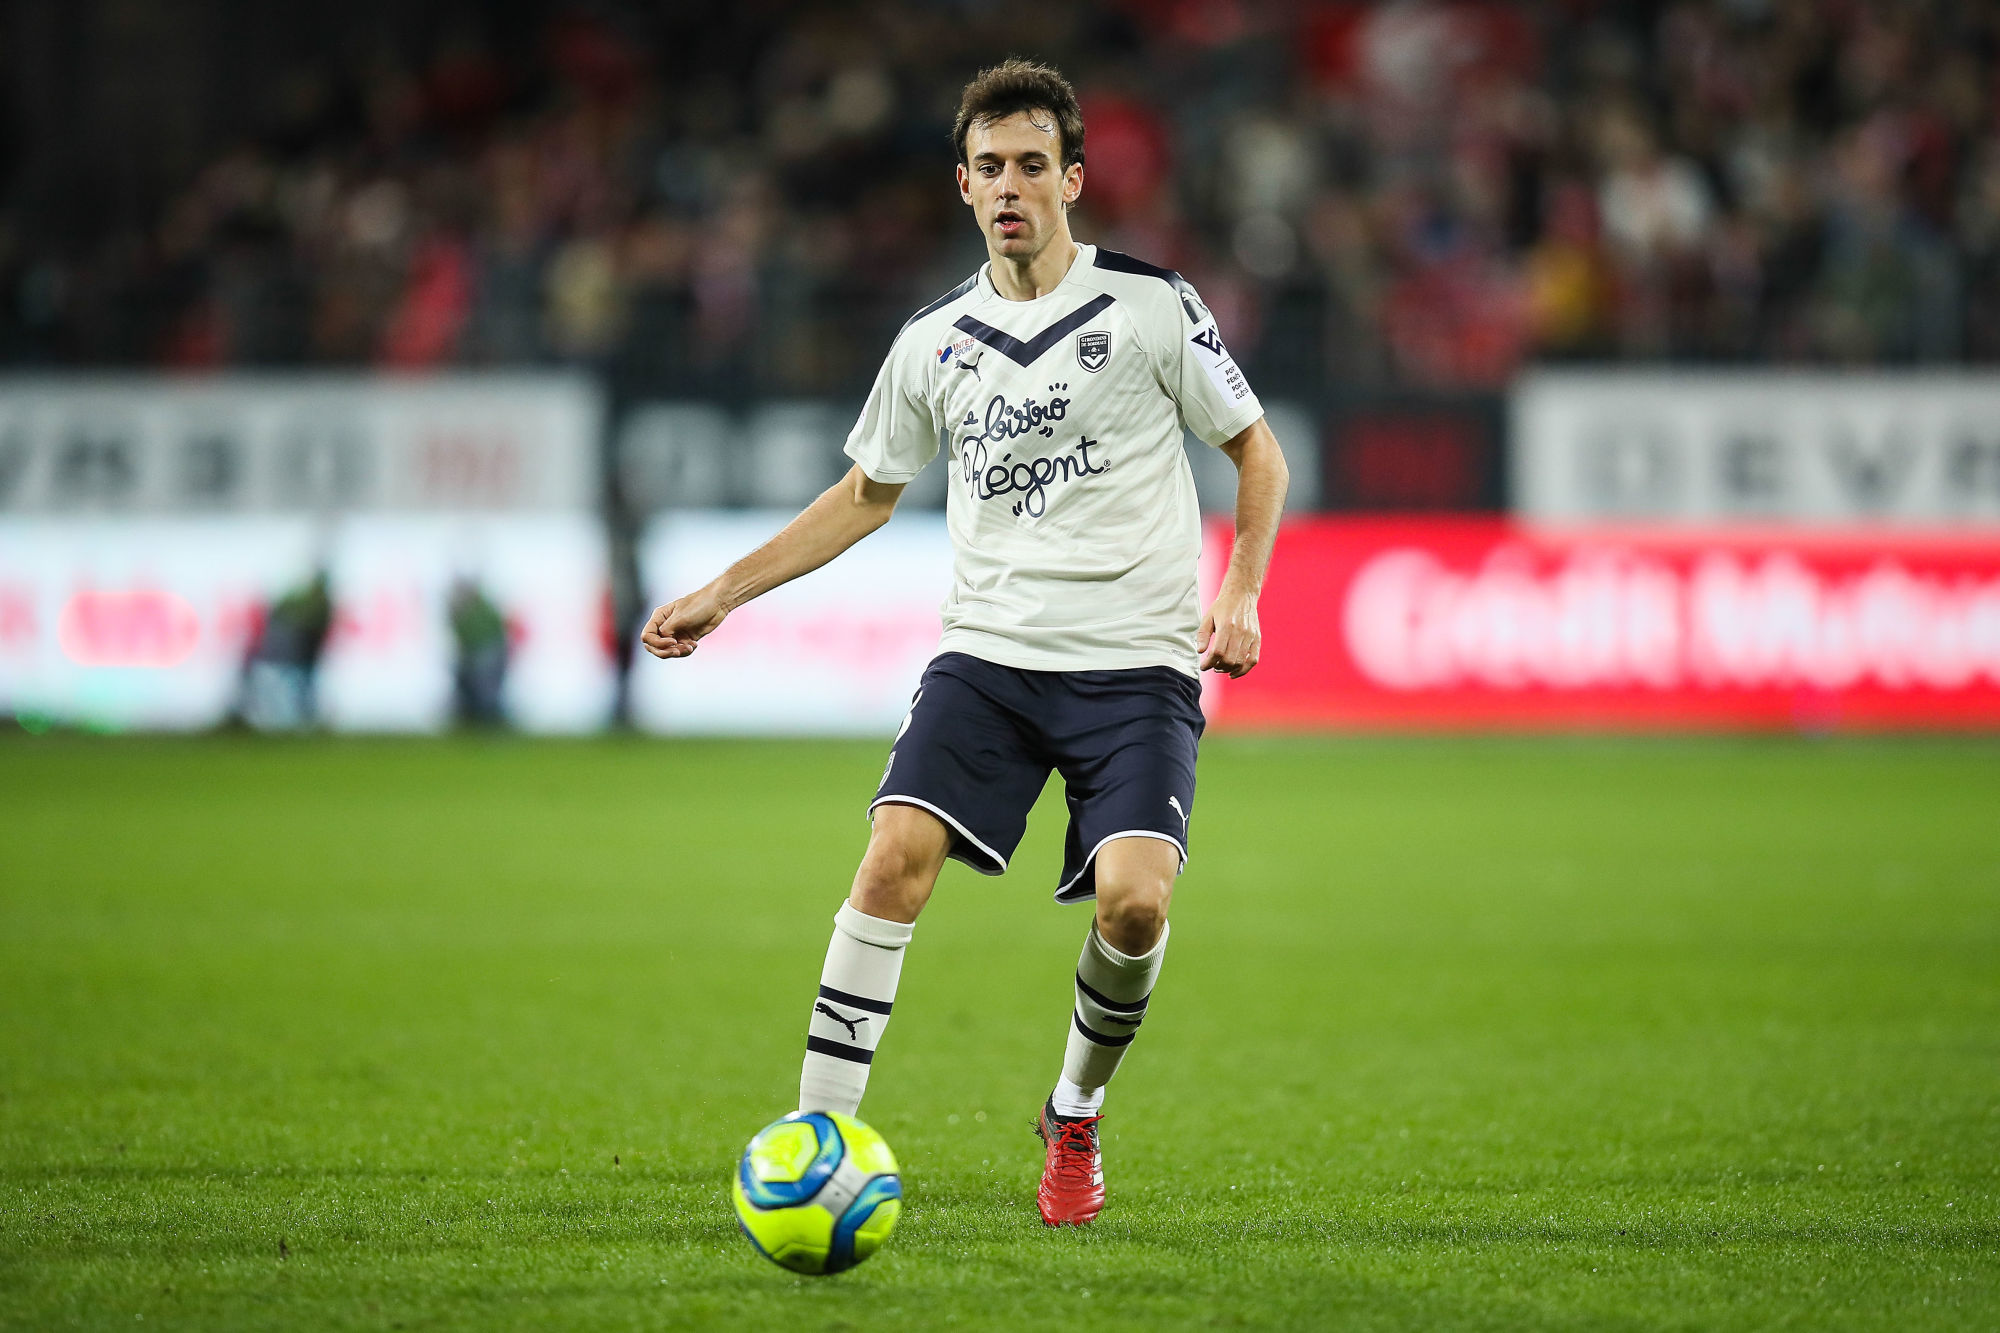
[{"x": 1692, "y": 1033}]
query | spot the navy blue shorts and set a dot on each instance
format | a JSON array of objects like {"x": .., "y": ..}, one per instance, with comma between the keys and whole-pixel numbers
[{"x": 980, "y": 740}]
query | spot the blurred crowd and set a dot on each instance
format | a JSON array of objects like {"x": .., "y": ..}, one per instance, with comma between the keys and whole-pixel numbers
[{"x": 748, "y": 198}]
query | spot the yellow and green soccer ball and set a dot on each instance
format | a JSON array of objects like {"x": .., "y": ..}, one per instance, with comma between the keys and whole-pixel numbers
[{"x": 817, "y": 1192}]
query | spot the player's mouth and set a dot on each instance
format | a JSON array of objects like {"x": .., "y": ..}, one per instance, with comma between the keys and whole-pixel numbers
[{"x": 1009, "y": 223}]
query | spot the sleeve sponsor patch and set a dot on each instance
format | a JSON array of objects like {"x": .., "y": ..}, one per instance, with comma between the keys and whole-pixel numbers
[{"x": 1221, "y": 366}]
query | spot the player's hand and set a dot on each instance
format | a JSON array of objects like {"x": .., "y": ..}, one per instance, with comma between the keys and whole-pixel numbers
[
  {"x": 675, "y": 627},
  {"x": 1230, "y": 637}
]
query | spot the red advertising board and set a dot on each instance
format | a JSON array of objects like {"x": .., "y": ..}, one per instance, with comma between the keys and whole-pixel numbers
[{"x": 1475, "y": 622}]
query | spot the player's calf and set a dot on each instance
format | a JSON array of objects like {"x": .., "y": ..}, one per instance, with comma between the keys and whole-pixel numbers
[
  {"x": 857, "y": 991},
  {"x": 1113, "y": 990},
  {"x": 864, "y": 960},
  {"x": 906, "y": 850}
]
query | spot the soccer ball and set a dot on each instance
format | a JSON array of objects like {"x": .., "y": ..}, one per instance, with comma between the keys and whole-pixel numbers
[{"x": 817, "y": 1192}]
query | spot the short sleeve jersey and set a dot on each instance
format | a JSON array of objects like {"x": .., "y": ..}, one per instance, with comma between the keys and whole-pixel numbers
[{"x": 1071, "y": 508}]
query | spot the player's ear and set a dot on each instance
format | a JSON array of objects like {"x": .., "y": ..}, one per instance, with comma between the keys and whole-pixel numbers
[
  {"x": 1072, "y": 184},
  {"x": 964, "y": 184}
]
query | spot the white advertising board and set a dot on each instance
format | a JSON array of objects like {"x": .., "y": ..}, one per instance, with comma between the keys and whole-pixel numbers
[
  {"x": 1827, "y": 449},
  {"x": 137, "y": 623},
  {"x": 146, "y": 623},
  {"x": 298, "y": 443},
  {"x": 388, "y": 663},
  {"x": 837, "y": 652}
]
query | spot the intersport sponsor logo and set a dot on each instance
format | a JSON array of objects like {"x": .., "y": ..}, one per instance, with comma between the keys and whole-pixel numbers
[{"x": 1605, "y": 617}]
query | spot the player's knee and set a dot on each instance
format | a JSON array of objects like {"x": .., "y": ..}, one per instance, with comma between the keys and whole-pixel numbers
[
  {"x": 1132, "y": 908},
  {"x": 900, "y": 867},
  {"x": 890, "y": 884}
]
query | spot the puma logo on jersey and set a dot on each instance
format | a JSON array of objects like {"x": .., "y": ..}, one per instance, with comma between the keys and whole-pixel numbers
[
  {"x": 971, "y": 365},
  {"x": 1175, "y": 802},
  {"x": 853, "y": 1025}
]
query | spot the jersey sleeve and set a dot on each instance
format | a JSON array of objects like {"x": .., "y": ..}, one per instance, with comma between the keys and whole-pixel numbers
[
  {"x": 1214, "y": 398},
  {"x": 897, "y": 432}
]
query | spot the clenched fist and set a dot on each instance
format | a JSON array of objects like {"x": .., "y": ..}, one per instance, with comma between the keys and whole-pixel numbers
[
  {"x": 676, "y": 627},
  {"x": 1230, "y": 638}
]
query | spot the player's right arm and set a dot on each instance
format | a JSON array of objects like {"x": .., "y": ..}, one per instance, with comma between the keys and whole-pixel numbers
[
  {"x": 844, "y": 513},
  {"x": 893, "y": 440}
]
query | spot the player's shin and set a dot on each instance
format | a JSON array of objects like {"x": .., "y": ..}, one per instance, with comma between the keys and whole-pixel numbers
[
  {"x": 1112, "y": 990},
  {"x": 857, "y": 988}
]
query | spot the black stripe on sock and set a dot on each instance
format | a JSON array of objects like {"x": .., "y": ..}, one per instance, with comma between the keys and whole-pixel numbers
[
  {"x": 1103, "y": 1001},
  {"x": 1099, "y": 1037},
  {"x": 856, "y": 1001},
  {"x": 860, "y": 1055}
]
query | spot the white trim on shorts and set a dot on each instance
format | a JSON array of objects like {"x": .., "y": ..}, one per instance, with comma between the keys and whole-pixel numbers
[
  {"x": 1179, "y": 846},
  {"x": 959, "y": 828}
]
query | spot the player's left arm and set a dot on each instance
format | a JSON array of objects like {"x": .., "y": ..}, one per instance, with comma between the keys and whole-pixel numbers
[{"x": 1230, "y": 638}]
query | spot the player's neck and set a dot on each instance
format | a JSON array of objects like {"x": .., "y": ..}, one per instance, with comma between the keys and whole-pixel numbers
[{"x": 1026, "y": 279}]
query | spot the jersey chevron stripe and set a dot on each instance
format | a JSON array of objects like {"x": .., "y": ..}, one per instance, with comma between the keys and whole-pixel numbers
[
  {"x": 1027, "y": 353},
  {"x": 1117, "y": 262}
]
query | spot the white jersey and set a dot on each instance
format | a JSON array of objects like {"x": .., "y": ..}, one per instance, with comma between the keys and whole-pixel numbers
[{"x": 1071, "y": 508}]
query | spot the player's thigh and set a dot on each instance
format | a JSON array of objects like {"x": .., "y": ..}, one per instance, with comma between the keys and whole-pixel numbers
[
  {"x": 906, "y": 849},
  {"x": 1130, "y": 775},
  {"x": 1135, "y": 890},
  {"x": 963, "y": 757}
]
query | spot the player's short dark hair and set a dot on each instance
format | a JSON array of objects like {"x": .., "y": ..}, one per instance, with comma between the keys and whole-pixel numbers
[{"x": 1014, "y": 86}]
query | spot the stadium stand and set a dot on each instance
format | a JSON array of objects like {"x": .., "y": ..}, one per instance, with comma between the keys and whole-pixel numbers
[{"x": 691, "y": 198}]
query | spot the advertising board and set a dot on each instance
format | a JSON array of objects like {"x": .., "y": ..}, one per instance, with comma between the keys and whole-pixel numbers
[
  {"x": 144, "y": 444},
  {"x": 156, "y": 622},
  {"x": 360, "y": 551},
  {"x": 1809, "y": 448},
  {"x": 837, "y": 652},
  {"x": 137, "y": 622},
  {"x": 1480, "y": 623},
  {"x": 397, "y": 658}
]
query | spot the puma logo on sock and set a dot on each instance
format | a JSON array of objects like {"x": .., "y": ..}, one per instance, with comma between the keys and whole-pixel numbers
[{"x": 853, "y": 1025}]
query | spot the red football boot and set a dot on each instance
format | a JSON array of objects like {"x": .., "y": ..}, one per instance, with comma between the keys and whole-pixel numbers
[{"x": 1073, "y": 1173}]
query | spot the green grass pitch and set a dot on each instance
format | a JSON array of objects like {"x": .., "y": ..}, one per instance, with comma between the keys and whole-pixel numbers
[{"x": 1678, "y": 1034}]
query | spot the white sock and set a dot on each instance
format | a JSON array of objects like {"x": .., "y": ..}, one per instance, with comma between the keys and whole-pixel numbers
[
  {"x": 1112, "y": 989},
  {"x": 1073, "y": 1101},
  {"x": 857, "y": 988}
]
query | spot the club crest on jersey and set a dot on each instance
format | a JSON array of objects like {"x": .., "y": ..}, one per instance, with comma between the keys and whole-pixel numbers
[{"x": 1093, "y": 349}]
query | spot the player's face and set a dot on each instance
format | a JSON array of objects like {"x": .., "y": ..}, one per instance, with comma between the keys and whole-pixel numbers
[{"x": 1014, "y": 180}]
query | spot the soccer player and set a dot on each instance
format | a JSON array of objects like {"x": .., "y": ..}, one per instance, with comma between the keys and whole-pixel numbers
[{"x": 1062, "y": 376}]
